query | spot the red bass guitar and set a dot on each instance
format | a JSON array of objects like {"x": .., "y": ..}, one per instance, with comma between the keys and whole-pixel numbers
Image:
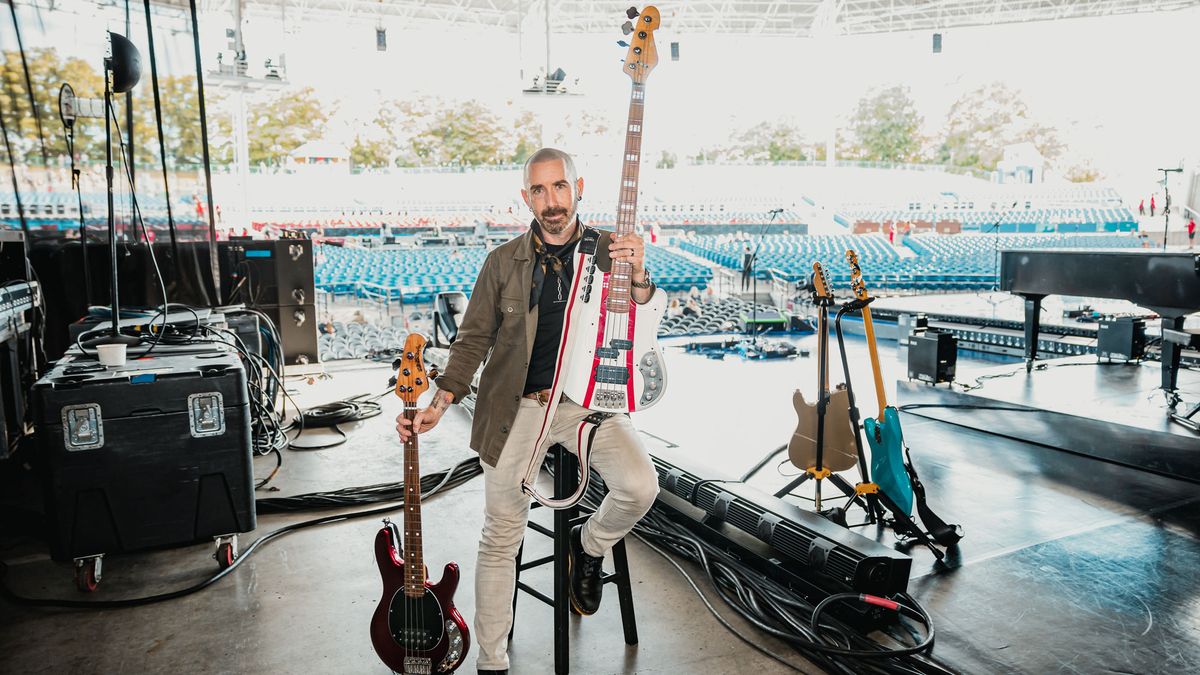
[{"x": 416, "y": 629}]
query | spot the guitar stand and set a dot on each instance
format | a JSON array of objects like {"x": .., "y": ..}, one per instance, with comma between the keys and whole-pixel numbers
[
  {"x": 902, "y": 523},
  {"x": 819, "y": 472}
]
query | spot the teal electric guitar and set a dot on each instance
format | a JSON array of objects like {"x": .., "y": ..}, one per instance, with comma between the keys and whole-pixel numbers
[{"x": 883, "y": 432}]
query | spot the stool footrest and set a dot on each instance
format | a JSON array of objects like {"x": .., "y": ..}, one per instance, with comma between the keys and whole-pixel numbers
[
  {"x": 535, "y": 563},
  {"x": 535, "y": 593}
]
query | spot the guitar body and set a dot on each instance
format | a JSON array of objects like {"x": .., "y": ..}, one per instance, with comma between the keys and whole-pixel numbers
[
  {"x": 419, "y": 636},
  {"x": 840, "y": 451},
  {"x": 887, "y": 458},
  {"x": 614, "y": 362}
]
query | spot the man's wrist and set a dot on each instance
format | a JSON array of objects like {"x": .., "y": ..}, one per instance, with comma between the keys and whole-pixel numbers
[{"x": 442, "y": 400}]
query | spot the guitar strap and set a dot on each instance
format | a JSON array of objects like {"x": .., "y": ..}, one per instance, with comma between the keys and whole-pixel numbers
[
  {"x": 942, "y": 533},
  {"x": 585, "y": 255}
]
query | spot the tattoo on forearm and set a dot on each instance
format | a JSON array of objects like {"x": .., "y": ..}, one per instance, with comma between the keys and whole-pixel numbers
[{"x": 441, "y": 401}]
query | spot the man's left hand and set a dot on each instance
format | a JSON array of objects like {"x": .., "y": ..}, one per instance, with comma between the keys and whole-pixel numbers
[{"x": 631, "y": 249}]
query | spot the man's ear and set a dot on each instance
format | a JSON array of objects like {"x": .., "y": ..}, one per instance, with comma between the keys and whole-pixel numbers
[
  {"x": 525, "y": 197},
  {"x": 579, "y": 188}
]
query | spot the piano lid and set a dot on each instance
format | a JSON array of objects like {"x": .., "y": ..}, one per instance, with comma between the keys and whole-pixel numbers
[{"x": 1167, "y": 282}]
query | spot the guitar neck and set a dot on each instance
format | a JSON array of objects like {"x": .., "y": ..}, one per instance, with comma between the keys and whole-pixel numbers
[
  {"x": 870, "y": 330},
  {"x": 618, "y": 289},
  {"x": 414, "y": 557}
]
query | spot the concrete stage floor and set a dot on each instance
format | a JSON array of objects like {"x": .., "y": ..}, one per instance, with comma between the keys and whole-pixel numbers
[{"x": 1069, "y": 563}]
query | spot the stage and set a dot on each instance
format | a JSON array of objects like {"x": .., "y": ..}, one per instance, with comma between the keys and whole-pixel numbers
[{"x": 1068, "y": 562}]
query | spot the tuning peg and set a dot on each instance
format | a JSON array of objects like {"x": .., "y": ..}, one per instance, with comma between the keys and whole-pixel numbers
[
  {"x": 622, "y": 43},
  {"x": 434, "y": 373},
  {"x": 397, "y": 363},
  {"x": 627, "y": 27},
  {"x": 632, "y": 12},
  {"x": 392, "y": 381}
]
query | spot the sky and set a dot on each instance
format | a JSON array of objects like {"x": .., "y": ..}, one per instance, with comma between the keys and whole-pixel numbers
[{"x": 1116, "y": 88}]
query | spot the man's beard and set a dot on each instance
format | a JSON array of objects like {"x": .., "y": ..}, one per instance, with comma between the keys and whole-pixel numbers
[{"x": 558, "y": 227}]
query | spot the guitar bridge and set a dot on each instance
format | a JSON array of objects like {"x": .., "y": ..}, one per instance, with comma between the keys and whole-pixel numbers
[
  {"x": 608, "y": 398},
  {"x": 417, "y": 665}
]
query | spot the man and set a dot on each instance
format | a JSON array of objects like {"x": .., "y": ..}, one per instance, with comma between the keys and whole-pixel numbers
[
  {"x": 516, "y": 311},
  {"x": 747, "y": 268},
  {"x": 1191, "y": 232}
]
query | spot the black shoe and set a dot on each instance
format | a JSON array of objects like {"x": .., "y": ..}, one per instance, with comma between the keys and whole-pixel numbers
[
  {"x": 493, "y": 672},
  {"x": 586, "y": 586}
]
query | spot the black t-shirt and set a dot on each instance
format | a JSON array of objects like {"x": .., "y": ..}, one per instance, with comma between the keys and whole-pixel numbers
[{"x": 556, "y": 291}]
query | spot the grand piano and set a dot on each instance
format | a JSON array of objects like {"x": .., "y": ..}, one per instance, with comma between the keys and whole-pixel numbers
[{"x": 1165, "y": 282}]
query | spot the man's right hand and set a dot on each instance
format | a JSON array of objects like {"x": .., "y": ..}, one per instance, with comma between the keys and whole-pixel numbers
[{"x": 425, "y": 419}]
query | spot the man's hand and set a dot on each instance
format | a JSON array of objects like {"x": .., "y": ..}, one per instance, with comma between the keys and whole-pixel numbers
[
  {"x": 426, "y": 418},
  {"x": 631, "y": 249}
]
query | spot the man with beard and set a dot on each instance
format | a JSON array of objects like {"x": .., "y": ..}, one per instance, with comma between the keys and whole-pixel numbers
[{"x": 517, "y": 310}]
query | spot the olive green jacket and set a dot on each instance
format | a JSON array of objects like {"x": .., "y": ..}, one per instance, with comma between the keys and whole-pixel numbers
[{"x": 498, "y": 322}]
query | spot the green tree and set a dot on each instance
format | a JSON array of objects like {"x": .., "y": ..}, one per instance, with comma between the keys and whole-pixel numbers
[
  {"x": 666, "y": 160},
  {"x": 886, "y": 127},
  {"x": 985, "y": 120},
  {"x": 527, "y": 134},
  {"x": 766, "y": 141},
  {"x": 181, "y": 121},
  {"x": 48, "y": 71},
  {"x": 466, "y": 133},
  {"x": 283, "y": 123}
]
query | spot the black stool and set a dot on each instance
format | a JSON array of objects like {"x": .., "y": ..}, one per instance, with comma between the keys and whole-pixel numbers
[{"x": 565, "y": 481}]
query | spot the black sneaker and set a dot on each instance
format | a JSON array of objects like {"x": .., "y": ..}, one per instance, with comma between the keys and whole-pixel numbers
[{"x": 585, "y": 570}]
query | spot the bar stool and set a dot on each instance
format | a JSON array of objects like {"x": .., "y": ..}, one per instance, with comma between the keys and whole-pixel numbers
[{"x": 565, "y": 481}]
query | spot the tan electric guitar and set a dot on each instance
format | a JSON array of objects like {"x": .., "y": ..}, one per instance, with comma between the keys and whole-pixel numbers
[{"x": 840, "y": 452}]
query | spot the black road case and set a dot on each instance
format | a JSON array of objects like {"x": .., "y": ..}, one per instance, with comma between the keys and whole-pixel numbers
[{"x": 150, "y": 454}]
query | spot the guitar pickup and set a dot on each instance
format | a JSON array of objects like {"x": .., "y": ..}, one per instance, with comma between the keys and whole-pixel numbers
[
  {"x": 621, "y": 344},
  {"x": 607, "y": 353},
  {"x": 611, "y": 375}
]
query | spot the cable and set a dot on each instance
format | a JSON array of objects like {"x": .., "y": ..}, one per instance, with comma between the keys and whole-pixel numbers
[
  {"x": 330, "y": 415},
  {"x": 436, "y": 482}
]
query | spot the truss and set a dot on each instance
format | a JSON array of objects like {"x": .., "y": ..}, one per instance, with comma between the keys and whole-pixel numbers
[{"x": 795, "y": 18}]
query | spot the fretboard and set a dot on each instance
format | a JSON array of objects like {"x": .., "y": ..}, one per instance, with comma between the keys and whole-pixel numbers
[
  {"x": 631, "y": 161},
  {"x": 414, "y": 558}
]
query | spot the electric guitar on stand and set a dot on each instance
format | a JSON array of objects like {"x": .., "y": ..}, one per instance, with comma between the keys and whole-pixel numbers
[
  {"x": 883, "y": 431},
  {"x": 416, "y": 630},
  {"x": 899, "y": 486},
  {"x": 823, "y": 440}
]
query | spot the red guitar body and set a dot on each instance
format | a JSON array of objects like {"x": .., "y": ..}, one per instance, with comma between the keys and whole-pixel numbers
[{"x": 418, "y": 636}]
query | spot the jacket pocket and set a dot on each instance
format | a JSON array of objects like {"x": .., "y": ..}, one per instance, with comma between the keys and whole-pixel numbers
[{"x": 512, "y": 320}]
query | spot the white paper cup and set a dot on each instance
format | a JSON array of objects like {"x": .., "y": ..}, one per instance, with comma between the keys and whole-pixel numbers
[{"x": 111, "y": 355}]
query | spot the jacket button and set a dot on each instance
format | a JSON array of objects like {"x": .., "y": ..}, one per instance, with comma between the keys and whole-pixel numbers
[
  {"x": 517, "y": 399},
  {"x": 509, "y": 309},
  {"x": 504, "y": 430}
]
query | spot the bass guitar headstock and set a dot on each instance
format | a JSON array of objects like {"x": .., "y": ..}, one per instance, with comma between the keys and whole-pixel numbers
[
  {"x": 412, "y": 380},
  {"x": 821, "y": 287},
  {"x": 642, "y": 55},
  {"x": 856, "y": 278}
]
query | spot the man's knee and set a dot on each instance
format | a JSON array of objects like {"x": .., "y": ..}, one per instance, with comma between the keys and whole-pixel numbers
[
  {"x": 501, "y": 538},
  {"x": 642, "y": 490}
]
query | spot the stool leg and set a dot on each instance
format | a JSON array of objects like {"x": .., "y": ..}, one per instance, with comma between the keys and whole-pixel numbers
[
  {"x": 562, "y": 543},
  {"x": 516, "y": 590},
  {"x": 625, "y": 592}
]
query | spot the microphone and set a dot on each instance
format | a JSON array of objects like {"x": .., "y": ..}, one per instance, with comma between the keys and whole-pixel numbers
[{"x": 775, "y": 212}]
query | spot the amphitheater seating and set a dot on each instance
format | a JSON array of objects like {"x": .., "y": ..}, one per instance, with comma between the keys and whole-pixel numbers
[
  {"x": 957, "y": 262},
  {"x": 1084, "y": 219},
  {"x": 417, "y": 274},
  {"x": 722, "y": 316}
]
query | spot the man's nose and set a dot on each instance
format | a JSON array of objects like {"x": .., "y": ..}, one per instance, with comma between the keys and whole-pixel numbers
[{"x": 552, "y": 200}]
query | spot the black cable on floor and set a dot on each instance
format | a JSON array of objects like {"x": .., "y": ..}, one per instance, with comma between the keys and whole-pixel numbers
[{"x": 431, "y": 484}]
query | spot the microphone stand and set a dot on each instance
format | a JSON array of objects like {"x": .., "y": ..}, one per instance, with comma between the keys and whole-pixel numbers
[
  {"x": 1167, "y": 202},
  {"x": 753, "y": 325},
  {"x": 83, "y": 237},
  {"x": 114, "y": 335}
]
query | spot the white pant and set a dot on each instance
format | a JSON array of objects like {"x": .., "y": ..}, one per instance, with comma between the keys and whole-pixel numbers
[{"x": 618, "y": 456}]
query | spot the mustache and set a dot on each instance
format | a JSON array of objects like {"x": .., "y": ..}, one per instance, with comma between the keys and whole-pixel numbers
[{"x": 559, "y": 211}]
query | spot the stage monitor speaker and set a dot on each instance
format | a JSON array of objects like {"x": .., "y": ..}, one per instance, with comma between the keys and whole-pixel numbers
[
  {"x": 447, "y": 307},
  {"x": 261, "y": 273},
  {"x": 1121, "y": 337},
  {"x": 937, "y": 43},
  {"x": 932, "y": 356}
]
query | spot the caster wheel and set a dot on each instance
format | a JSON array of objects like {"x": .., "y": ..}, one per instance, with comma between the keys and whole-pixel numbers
[
  {"x": 225, "y": 555},
  {"x": 87, "y": 575}
]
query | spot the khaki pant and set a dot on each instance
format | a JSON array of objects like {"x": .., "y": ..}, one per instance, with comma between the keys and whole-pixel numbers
[{"x": 617, "y": 455}]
